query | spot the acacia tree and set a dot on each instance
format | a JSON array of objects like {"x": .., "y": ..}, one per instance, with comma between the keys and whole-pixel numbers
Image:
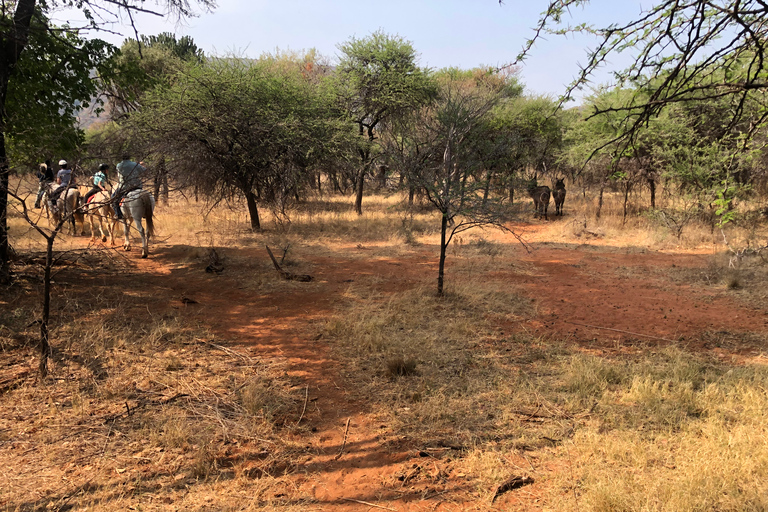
[
  {"x": 525, "y": 132},
  {"x": 684, "y": 51},
  {"x": 245, "y": 128},
  {"x": 140, "y": 66},
  {"x": 19, "y": 22},
  {"x": 379, "y": 81},
  {"x": 442, "y": 143}
]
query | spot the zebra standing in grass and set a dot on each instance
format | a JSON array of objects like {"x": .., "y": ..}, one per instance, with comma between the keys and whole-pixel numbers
[{"x": 559, "y": 196}]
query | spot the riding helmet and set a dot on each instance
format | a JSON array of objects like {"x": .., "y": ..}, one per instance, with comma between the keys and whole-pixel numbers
[
  {"x": 103, "y": 167},
  {"x": 62, "y": 162}
]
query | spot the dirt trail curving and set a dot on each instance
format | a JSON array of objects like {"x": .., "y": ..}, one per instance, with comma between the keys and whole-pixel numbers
[{"x": 600, "y": 297}]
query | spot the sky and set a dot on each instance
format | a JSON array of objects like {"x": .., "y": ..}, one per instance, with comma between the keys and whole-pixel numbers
[{"x": 458, "y": 33}]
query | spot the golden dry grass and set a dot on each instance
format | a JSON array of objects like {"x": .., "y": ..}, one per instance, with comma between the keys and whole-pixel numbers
[{"x": 666, "y": 430}]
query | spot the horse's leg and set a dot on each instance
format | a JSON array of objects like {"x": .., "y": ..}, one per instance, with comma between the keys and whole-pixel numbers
[
  {"x": 97, "y": 213},
  {"x": 144, "y": 242},
  {"x": 90, "y": 215},
  {"x": 102, "y": 222},
  {"x": 126, "y": 231},
  {"x": 112, "y": 227},
  {"x": 73, "y": 222}
]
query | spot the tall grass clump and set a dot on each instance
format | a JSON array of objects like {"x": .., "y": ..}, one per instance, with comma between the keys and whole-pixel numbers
[
  {"x": 425, "y": 359},
  {"x": 678, "y": 433}
]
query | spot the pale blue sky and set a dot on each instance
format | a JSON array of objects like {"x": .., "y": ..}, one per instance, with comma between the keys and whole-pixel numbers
[{"x": 461, "y": 33}]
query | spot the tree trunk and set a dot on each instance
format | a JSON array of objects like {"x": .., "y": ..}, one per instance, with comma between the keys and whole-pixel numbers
[
  {"x": 5, "y": 256},
  {"x": 441, "y": 267},
  {"x": 600, "y": 200},
  {"x": 45, "y": 346},
  {"x": 13, "y": 40},
  {"x": 253, "y": 210},
  {"x": 627, "y": 189},
  {"x": 652, "y": 186},
  {"x": 487, "y": 188},
  {"x": 156, "y": 188},
  {"x": 359, "y": 190}
]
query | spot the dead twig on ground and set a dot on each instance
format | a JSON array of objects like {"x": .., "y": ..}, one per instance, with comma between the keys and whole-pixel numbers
[
  {"x": 512, "y": 483},
  {"x": 290, "y": 276},
  {"x": 621, "y": 331},
  {"x": 344, "y": 442},
  {"x": 369, "y": 504},
  {"x": 304, "y": 409}
]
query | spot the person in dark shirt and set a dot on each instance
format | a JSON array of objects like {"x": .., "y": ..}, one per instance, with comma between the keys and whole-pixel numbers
[{"x": 45, "y": 177}]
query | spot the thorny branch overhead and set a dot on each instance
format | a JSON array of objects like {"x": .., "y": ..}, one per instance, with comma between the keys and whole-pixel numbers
[{"x": 683, "y": 50}]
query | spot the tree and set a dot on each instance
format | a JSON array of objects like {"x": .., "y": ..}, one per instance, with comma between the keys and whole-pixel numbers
[
  {"x": 525, "y": 132},
  {"x": 141, "y": 65},
  {"x": 244, "y": 128},
  {"x": 684, "y": 51},
  {"x": 20, "y": 21},
  {"x": 380, "y": 81},
  {"x": 442, "y": 144}
]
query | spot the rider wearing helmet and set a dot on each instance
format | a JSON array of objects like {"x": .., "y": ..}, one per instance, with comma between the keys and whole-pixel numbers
[
  {"x": 100, "y": 182},
  {"x": 64, "y": 179}
]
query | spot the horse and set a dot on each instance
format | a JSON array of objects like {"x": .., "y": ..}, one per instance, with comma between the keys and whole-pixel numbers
[
  {"x": 66, "y": 207},
  {"x": 137, "y": 205},
  {"x": 540, "y": 196},
  {"x": 559, "y": 196},
  {"x": 100, "y": 208}
]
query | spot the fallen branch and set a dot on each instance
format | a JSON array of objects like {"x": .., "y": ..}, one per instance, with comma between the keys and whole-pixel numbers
[
  {"x": 369, "y": 504},
  {"x": 511, "y": 484},
  {"x": 142, "y": 405},
  {"x": 306, "y": 398},
  {"x": 621, "y": 331},
  {"x": 290, "y": 276},
  {"x": 344, "y": 443}
]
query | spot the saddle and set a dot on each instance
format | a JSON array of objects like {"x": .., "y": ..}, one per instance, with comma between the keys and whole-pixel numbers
[{"x": 131, "y": 194}]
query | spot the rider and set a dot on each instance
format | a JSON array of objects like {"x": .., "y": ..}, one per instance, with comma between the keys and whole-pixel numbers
[
  {"x": 100, "y": 182},
  {"x": 64, "y": 179},
  {"x": 45, "y": 176},
  {"x": 129, "y": 175}
]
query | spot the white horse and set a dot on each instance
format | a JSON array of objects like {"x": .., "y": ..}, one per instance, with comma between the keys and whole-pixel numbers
[
  {"x": 137, "y": 205},
  {"x": 100, "y": 208}
]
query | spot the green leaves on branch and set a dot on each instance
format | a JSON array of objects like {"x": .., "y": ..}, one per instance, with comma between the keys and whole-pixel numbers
[{"x": 52, "y": 83}]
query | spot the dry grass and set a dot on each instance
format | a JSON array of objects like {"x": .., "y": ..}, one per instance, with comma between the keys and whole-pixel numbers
[
  {"x": 665, "y": 431},
  {"x": 139, "y": 408},
  {"x": 153, "y": 414}
]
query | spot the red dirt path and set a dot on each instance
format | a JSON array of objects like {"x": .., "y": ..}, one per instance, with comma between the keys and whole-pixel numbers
[{"x": 599, "y": 297}]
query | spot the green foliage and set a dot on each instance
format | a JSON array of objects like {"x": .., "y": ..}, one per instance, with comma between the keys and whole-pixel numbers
[
  {"x": 141, "y": 66},
  {"x": 524, "y": 132},
  {"x": 52, "y": 83},
  {"x": 379, "y": 78},
  {"x": 242, "y": 127}
]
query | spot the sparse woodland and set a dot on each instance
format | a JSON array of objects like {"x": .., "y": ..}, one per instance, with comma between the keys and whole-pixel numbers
[{"x": 425, "y": 343}]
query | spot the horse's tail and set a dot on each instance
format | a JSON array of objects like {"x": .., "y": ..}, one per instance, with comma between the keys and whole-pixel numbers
[{"x": 146, "y": 200}]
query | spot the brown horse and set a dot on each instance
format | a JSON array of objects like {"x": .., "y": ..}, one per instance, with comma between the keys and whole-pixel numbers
[{"x": 559, "y": 196}]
